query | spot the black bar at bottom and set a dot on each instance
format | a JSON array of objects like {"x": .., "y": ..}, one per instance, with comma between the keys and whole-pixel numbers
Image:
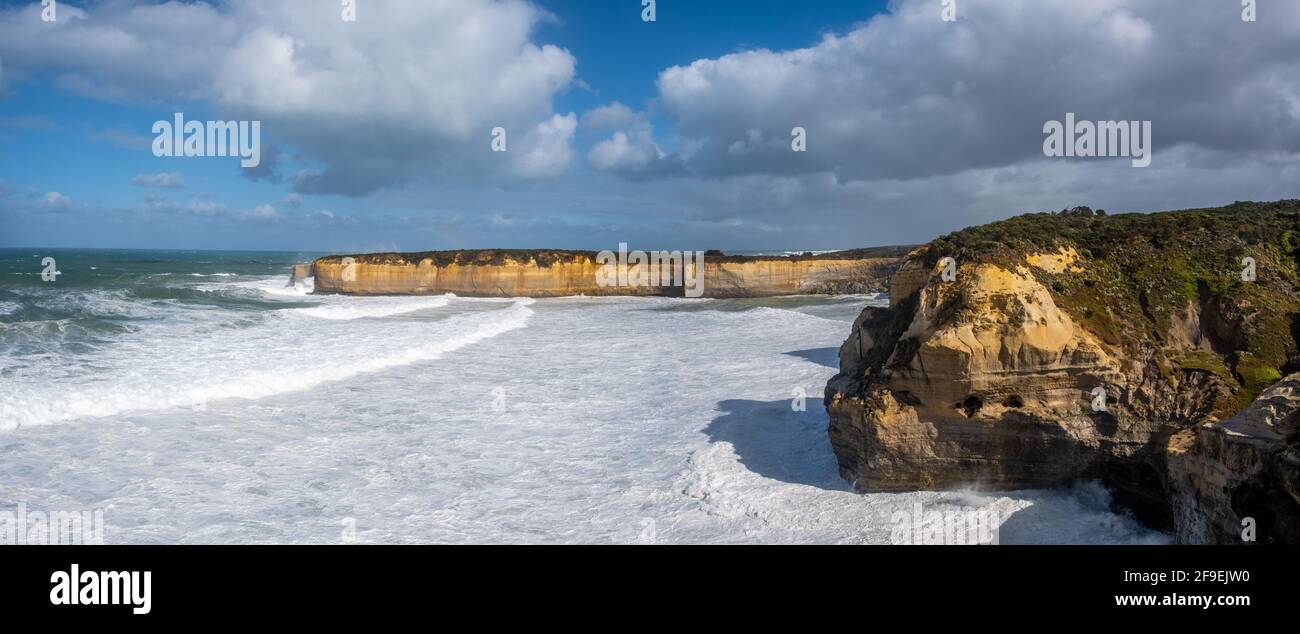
[{"x": 208, "y": 584}]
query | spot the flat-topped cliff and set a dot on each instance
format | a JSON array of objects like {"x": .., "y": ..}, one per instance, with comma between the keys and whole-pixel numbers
[
  {"x": 557, "y": 273},
  {"x": 1051, "y": 347}
]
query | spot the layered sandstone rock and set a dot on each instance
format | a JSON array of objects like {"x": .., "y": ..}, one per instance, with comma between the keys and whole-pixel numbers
[
  {"x": 1239, "y": 480},
  {"x": 300, "y": 272},
  {"x": 762, "y": 277},
  {"x": 506, "y": 277},
  {"x": 1078, "y": 346},
  {"x": 979, "y": 381},
  {"x": 568, "y": 273}
]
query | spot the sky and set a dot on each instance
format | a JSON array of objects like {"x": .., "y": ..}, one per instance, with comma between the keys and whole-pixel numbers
[{"x": 377, "y": 134}]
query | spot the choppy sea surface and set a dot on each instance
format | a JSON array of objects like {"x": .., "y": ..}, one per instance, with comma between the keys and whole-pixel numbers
[{"x": 196, "y": 397}]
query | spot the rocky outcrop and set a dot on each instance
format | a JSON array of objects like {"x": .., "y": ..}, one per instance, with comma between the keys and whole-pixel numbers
[
  {"x": 568, "y": 273},
  {"x": 1239, "y": 480},
  {"x": 1001, "y": 397},
  {"x": 1073, "y": 346},
  {"x": 545, "y": 274},
  {"x": 299, "y": 273}
]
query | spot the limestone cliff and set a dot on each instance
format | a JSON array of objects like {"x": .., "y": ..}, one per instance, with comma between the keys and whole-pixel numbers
[
  {"x": 300, "y": 272},
  {"x": 1240, "y": 478},
  {"x": 1076, "y": 345},
  {"x": 545, "y": 273}
]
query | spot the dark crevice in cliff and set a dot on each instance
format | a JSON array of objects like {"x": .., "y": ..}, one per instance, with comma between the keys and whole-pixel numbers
[
  {"x": 887, "y": 347},
  {"x": 1105, "y": 422},
  {"x": 1265, "y": 500},
  {"x": 1138, "y": 487},
  {"x": 971, "y": 406}
]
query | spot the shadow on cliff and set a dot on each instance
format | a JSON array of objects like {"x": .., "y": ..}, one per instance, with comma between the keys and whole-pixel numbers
[
  {"x": 775, "y": 441},
  {"x": 829, "y": 357},
  {"x": 1081, "y": 513}
]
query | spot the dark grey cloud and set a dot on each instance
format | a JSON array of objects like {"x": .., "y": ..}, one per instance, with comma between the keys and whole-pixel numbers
[{"x": 268, "y": 169}]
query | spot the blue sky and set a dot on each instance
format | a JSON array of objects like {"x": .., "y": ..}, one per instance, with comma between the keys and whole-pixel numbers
[
  {"x": 672, "y": 134},
  {"x": 90, "y": 149},
  {"x": 620, "y": 56}
]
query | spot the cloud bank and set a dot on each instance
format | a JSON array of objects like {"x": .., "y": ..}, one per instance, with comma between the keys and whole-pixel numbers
[
  {"x": 908, "y": 95},
  {"x": 408, "y": 90},
  {"x": 915, "y": 125}
]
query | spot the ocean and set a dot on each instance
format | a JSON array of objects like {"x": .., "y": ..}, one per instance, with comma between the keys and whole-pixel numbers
[{"x": 196, "y": 397}]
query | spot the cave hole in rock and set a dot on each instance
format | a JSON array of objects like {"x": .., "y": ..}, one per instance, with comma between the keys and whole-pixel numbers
[
  {"x": 971, "y": 405},
  {"x": 1014, "y": 401}
]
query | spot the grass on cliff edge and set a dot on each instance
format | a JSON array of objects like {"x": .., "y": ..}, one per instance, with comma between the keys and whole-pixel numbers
[
  {"x": 1142, "y": 272},
  {"x": 547, "y": 257}
]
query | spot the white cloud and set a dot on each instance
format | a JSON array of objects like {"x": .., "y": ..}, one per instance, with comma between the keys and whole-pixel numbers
[
  {"x": 410, "y": 91},
  {"x": 915, "y": 126},
  {"x": 620, "y": 153},
  {"x": 631, "y": 151},
  {"x": 54, "y": 201},
  {"x": 611, "y": 116},
  {"x": 907, "y": 95},
  {"x": 264, "y": 212},
  {"x": 161, "y": 180},
  {"x": 197, "y": 206},
  {"x": 547, "y": 149},
  {"x": 327, "y": 218}
]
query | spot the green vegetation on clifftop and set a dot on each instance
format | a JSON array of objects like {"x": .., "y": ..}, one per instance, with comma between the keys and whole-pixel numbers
[
  {"x": 1166, "y": 288},
  {"x": 547, "y": 257}
]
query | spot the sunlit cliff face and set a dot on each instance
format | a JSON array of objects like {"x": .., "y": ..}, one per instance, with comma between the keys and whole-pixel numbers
[{"x": 585, "y": 276}]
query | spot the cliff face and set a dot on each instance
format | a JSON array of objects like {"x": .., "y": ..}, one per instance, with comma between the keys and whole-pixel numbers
[
  {"x": 1242, "y": 475},
  {"x": 300, "y": 272},
  {"x": 508, "y": 277},
  {"x": 1078, "y": 346},
  {"x": 997, "y": 394},
  {"x": 566, "y": 273}
]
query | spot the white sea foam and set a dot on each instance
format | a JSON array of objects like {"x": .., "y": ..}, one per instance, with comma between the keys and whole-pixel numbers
[
  {"x": 335, "y": 307},
  {"x": 181, "y": 367},
  {"x": 370, "y": 307},
  {"x": 648, "y": 420},
  {"x": 275, "y": 287},
  {"x": 105, "y": 303}
]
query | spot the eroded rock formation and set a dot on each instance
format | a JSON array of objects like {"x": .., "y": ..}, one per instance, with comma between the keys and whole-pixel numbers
[
  {"x": 1075, "y": 346},
  {"x": 998, "y": 394},
  {"x": 538, "y": 273},
  {"x": 299, "y": 273},
  {"x": 1230, "y": 479}
]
